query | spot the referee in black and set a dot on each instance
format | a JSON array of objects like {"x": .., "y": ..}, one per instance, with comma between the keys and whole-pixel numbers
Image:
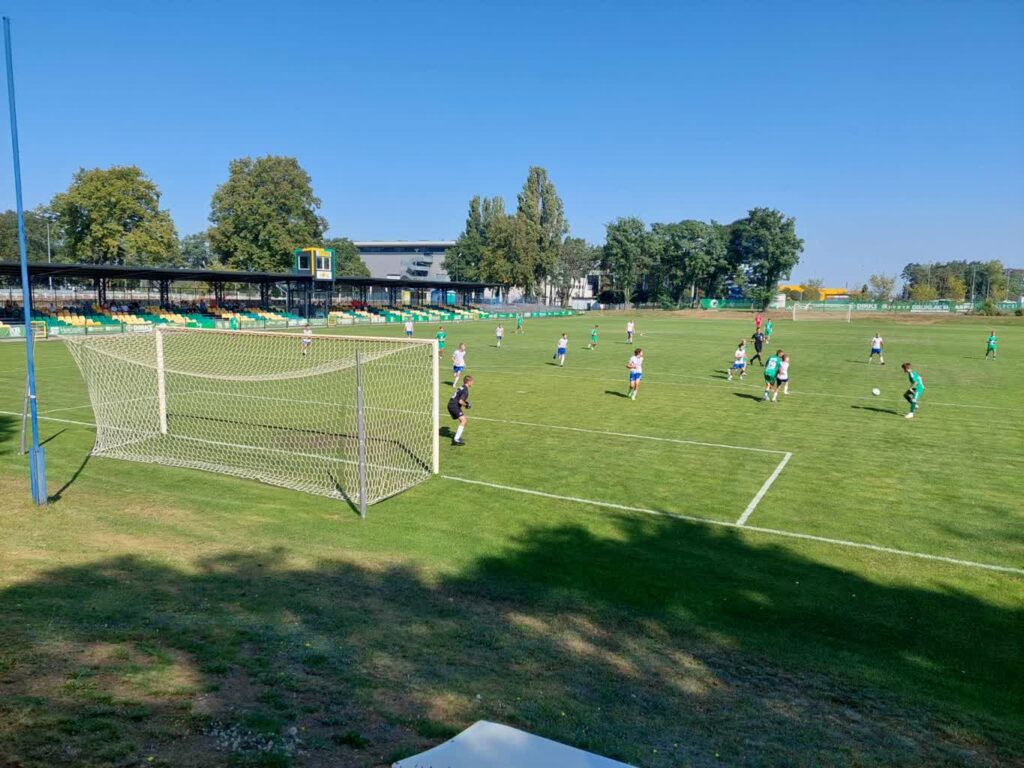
[{"x": 458, "y": 402}]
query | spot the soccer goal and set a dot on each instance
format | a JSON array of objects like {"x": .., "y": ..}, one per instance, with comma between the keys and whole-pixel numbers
[
  {"x": 349, "y": 417},
  {"x": 821, "y": 311}
]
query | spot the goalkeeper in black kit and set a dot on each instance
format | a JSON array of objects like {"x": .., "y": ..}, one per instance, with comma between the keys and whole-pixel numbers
[{"x": 457, "y": 405}]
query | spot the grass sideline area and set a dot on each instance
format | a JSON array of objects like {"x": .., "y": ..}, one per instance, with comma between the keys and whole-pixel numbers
[{"x": 591, "y": 584}]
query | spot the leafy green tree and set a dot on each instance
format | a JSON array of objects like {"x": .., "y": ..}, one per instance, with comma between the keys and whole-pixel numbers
[
  {"x": 812, "y": 289},
  {"x": 112, "y": 216},
  {"x": 538, "y": 231},
  {"x": 954, "y": 288},
  {"x": 347, "y": 261},
  {"x": 923, "y": 292},
  {"x": 576, "y": 260},
  {"x": 626, "y": 255},
  {"x": 766, "y": 247},
  {"x": 195, "y": 251},
  {"x": 263, "y": 212},
  {"x": 35, "y": 236},
  {"x": 882, "y": 287}
]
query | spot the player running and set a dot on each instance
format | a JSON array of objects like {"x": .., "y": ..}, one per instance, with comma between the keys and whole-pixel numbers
[
  {"x": 457, "y": 405},
  {"x": 771, "y": 375},
  {"x": 630, "y": 328},
  {"x": 593, "y": 338},
  {"x": 758, "y": 338},
  {"x": 739, "y": 361},
  {"x": 993, "y": 340},
  {"x": 442, "y": 337},
  {"x": 768, "y": 327},
  {"x": 913, "y": 395},
  {"x": 876, "y": 349},
  {"x": 636, "y": 372},
  {"x": 458, "y": 364},
  {"x": 408, "y": 329},
  {"x": 519, "y": 323},
  {"x": 499, "y": 334},
  {"x": 563, "y": 344},
  {"x": 307, "y": 339},
  {"x": 758, "y": 321},
  {"x": 783, "y": 377}
]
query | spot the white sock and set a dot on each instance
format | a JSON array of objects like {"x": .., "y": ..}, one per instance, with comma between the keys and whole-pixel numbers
[{"x": 458, "y": 433}]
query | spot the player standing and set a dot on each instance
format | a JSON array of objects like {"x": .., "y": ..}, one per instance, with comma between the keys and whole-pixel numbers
[
  {"x": 499, "y": 334},
  {"x": 757, "y": 322},
  {"x": 457, "y": 405},
  {"x": 783, "y": 377},
  {"x": 630, "y": 328},
  {"x": 563, "y": 344},
  {"x": 993, "y": 340},
  {"x": 876, "y": 349},
  {"x": 758, "y": 338},
  {"x": 739, "y": 360},
  {"x": 593, "y": 338},
  {"x": 307, "y": 339},
  {"x": 441, "y": 336},
  {"x": 519, "y": 323},
  {"x": 771, "y": 374},
  {"x": 636, "y": 372},
  {"x": 913, "y": 395},
  {"x": 408, "y": 329},
  {"x": 768, "y": 330},
  {"x": 458, "y": 364}
]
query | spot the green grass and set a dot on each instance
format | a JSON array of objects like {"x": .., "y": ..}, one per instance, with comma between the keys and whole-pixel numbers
[{"x": 192, "y": 618}]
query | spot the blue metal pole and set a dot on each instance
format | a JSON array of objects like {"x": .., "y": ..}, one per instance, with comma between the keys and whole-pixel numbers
[{"x": 36, "y": 455}]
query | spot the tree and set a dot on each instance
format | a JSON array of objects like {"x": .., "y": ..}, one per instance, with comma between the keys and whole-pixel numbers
[
  {"x": 35, "y": 236},
  {"x": 263, "y": 212},
  {"x": 955, "y": 288},
  {"x": 923, "y": 292},
  {"x": 347, "y": 261},
  {"x": 626, "y": 255},
  {"x": 765, "y": 246},
  {"x": 195, "y": 250},
  {"x": 576, "y": 259},
  {"x": 812, "y": 290},
  {"x": 882, "y": 287},
  {"x": 112, "y": 216},
  {"x": 539, "y": 230}
]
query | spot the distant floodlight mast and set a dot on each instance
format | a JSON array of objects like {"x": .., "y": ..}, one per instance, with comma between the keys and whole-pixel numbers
[{"x": 36, "y": 455}]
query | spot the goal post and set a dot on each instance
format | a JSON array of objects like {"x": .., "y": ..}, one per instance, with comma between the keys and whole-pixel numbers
[{"x": 348, "y": 417}]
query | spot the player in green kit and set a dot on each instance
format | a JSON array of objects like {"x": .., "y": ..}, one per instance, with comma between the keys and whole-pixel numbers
[
  {"x": 519, "y": 323},
  {"x": 441, "y": 336},
  {"x": 771, "y": 375},
  {"x": 913, "y": 395},
  {"x": 768, "y": 328},
  {"x": 992, "y": 341},
  {"x": 593, "y": 338}
]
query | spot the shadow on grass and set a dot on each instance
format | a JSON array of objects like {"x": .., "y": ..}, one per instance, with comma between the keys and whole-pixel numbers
[
  {"x": 616, "y": 393},
  {"x": 71, "y": 480},
  {"x": 8, "y": 426},
  {"x": 748, "y": 396},
  {"x": 661, "y": 643},
  {"x": 876, "y": 409}
]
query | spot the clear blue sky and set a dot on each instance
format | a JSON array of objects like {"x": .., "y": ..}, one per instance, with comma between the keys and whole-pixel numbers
[{"x": 891, "y": 131}]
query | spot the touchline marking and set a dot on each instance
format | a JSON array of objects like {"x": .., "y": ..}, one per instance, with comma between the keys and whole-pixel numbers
[
  {"x": 764, "y": 489},
  {"x": 637, "y": 437},
  {"x": 51, "y": 418},
  {"x": 754, "y": 528}
]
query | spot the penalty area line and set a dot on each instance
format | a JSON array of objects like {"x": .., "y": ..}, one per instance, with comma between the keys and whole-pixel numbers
[
  {"x": 764, "y": 489},
  {"x": 750, "y": 528}
]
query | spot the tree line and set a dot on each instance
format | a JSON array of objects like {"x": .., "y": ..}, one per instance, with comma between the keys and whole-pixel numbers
[
  {"x": 258, "y": 217},
  {"x": 667, "y": 263}
]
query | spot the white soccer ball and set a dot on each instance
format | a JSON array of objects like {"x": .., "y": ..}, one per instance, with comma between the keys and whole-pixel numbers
[{"x": 876, "y": 391}]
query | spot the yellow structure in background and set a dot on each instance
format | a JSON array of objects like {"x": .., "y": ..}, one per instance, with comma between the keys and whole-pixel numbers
[{"x": 826, "y": 293}]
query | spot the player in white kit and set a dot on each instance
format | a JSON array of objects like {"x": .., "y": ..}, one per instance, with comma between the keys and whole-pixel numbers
[
  {"x": 458, "y": 364},
  {"x": 630, "y": 328},
  {"x": 408, "y": 329},
  {"x": 783, "y": 377},
  {"x": 636, "y": 372},
  {"x": 739, "y": 361},
  {"x": 307, "y": 339}
]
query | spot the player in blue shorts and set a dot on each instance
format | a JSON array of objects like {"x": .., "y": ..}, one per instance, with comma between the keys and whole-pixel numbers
[
  {"x": 636, "y": 372},
  {"x": 458, "y": 364},
  {"x": 739, "y": 361},
  {"x": 877, "y": 348},
  {"x": 563, "y": 344}
]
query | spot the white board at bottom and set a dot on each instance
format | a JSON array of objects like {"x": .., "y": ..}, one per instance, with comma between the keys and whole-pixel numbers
[{"x": 490, "y": 745}]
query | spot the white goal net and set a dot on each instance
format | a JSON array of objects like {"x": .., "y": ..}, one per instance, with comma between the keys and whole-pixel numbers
[
  {"x": 819, "y": 311},
  {"x": 348, "y": 417}
]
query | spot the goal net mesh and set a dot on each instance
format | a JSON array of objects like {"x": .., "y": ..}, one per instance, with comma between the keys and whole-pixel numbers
[{"x": 254, "y": 405}]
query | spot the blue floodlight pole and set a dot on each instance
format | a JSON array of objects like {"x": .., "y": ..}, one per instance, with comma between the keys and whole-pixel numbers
[{"x": 36, "y": 455}]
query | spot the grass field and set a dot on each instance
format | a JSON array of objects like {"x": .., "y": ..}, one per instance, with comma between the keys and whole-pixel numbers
[{"x": 579, "y": 570}]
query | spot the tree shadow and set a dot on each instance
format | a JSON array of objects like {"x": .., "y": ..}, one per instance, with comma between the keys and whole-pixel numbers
[
  {"x": 876, "y": 409},
  {"x": 7, "y": 429},
  {"x": 659, "y": 643}
]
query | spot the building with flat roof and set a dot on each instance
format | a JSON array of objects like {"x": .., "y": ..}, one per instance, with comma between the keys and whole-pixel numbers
[{"x": 405, "y": 259}]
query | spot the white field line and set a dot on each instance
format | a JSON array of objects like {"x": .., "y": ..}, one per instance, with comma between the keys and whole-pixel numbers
[
  {"x": 764, "y": 489},
  {"x": 51, "y": 418},
  {"x": 632, "y": 436},
  {"x": 753, "y": 528}
]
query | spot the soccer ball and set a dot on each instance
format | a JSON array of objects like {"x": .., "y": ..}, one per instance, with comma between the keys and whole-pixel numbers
[{"x": 876, "y": 391}]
